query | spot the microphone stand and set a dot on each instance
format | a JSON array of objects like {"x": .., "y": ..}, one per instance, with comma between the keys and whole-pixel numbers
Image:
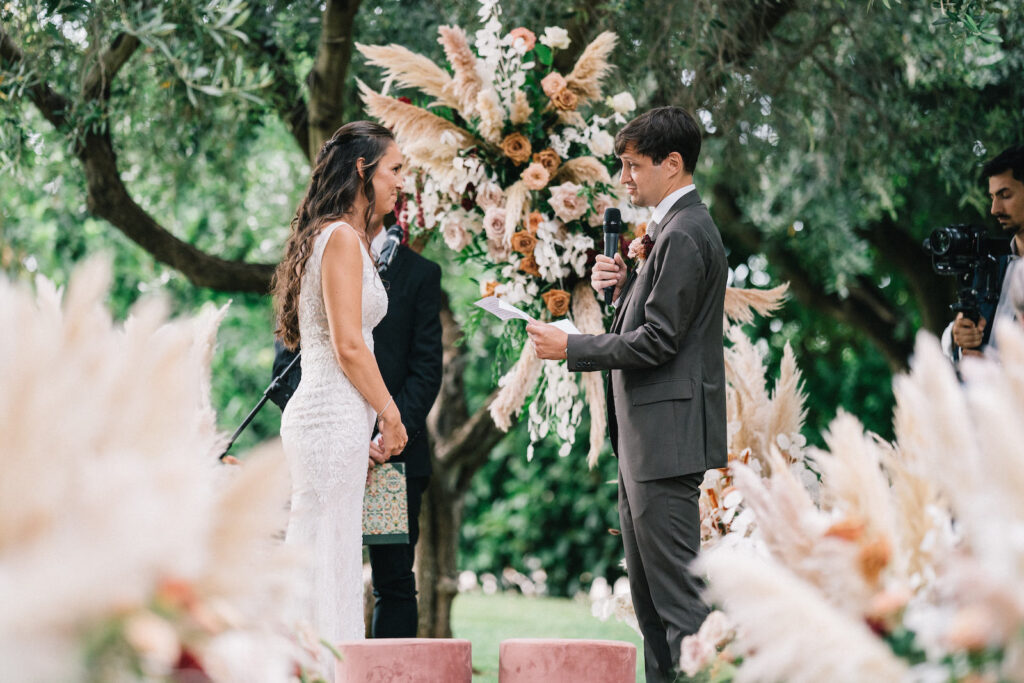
[{"x": 263, "y": 400}]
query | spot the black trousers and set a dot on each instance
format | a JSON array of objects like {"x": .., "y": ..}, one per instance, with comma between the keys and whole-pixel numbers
[
  {"x": 660, "y": 523},
  {"x": 394, "y": 583}
]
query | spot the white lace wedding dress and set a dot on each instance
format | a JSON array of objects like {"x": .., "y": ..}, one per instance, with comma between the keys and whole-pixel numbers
[{"x": 326, "y": 431}]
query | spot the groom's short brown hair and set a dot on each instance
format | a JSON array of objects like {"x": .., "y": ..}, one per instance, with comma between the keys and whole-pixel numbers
[{"x": 661, "y": 131}]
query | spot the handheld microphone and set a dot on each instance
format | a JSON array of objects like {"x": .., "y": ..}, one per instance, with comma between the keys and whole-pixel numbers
[
  {"x": 390, "y": 248},
  {"x": 612, "y": 229}
]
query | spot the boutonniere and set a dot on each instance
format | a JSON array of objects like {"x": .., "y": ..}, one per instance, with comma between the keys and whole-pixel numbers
[{"x": 640, "y": 248}]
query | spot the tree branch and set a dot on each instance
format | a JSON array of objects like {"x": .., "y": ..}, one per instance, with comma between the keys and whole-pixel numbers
[
  {"x": 97, "y": 82},
  {"x": 863, "y": 309},
  {"x": 327, "y": 80},
  {"x": 108, "y": 198}
]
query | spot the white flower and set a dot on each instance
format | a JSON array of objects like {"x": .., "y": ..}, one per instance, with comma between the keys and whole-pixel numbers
[
  {"x": 696, "y": 653},
  {"x": 155, "y": 639},
  {"x": 555, "y": 37},
  {"x": 623, "y": 103},
  {"x": 601, "y": 143}
]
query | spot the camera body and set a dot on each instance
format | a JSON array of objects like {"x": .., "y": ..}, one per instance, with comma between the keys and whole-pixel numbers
[{"x": 967, "y": 253}]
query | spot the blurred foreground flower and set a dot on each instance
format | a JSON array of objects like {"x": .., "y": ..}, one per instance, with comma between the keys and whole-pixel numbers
[{"x": 126, "y": 550}]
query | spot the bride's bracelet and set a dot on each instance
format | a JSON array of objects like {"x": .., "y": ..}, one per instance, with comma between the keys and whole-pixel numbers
[{"x": 390, "y": 399}]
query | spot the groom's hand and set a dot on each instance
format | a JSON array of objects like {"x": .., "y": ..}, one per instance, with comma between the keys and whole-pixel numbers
[
  {"x": 549, "y": 341},
  {"x": 608, "y": 273}
]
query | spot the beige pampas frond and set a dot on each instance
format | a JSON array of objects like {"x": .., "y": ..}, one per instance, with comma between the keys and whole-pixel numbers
[
  {"x": 95, "y": 515},
  {"x": 466, "y": 82},
  {"x": 411, "y": 123},
  {"x": 582, "y": 170},
  {"x": 521, "y": 109},
  {"x": 787, "y": 631},
  {"x": 411, "y": 70},
  {"x": 586, "y": 313},
  {"x": 416, "y": 128},
  {"x": 788, "y": 399},
  {"x": 515, "y": 208},
  {"x": 854, "y": 483},
  {"x": 751, "y": 405},
  {"x": 515, "y": 386},
  {"x": 591, "y": 68},
  {"x": 492, "y": 115},
  {"x": 742, "y": 303}
]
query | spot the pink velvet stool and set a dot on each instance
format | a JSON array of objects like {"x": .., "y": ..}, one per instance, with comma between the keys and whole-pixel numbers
[
  {"x": 405, "y": 660},
  {"x": 564, "y": 660}
]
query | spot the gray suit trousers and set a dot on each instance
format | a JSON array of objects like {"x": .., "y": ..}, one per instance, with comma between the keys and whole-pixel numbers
[{"x": 660, "y": 522}]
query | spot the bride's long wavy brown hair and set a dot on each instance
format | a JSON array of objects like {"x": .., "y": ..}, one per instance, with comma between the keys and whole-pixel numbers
[{"x": 333, "y": 189}]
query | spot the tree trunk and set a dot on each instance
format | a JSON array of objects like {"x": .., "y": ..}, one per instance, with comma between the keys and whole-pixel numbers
[{"x": 461, "y": 445}]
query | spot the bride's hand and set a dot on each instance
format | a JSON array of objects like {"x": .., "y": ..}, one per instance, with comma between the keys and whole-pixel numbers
[{"x": 392, "y": 431}]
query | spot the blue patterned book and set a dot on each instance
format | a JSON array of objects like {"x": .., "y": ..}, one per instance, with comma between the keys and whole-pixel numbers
[{"x": 385, "y": 506}]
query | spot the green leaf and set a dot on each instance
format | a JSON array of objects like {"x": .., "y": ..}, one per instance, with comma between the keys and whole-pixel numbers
[{"x": 544, "y": 55}]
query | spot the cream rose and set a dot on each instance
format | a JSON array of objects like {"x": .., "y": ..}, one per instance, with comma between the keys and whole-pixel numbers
[
  {"x": 555, "y": 37},
  {"x": 623, "y": 103},
  {"x": 536, "y": 177},
  {"x": 566, "y": 202},
  {"x": 601, "y": 144}
]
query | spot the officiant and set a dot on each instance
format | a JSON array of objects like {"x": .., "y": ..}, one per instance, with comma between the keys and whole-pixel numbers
[{"x": 407, "y": 345}]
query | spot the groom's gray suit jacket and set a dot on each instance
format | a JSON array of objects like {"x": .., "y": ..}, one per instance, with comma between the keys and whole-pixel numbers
[{"x": 666, "y": 388}]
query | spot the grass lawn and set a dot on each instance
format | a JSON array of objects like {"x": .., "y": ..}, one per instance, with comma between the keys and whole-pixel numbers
[{"x": 486, "y": 620}]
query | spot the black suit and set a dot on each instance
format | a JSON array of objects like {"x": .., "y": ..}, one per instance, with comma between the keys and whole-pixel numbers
[{"x": 407, "y": 345}]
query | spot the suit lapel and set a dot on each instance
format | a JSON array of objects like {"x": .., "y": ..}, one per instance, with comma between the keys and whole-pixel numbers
[{"x": 687, "y": 200}]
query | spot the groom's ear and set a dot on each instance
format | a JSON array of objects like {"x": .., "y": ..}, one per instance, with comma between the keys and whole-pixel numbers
[{"x": 674, "y": 163}]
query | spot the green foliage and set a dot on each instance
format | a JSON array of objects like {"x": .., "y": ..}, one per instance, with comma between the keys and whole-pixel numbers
[{"x": 550, "y": 514}]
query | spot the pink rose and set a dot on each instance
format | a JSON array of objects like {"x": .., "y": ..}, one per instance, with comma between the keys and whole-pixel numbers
[
  {"x": 524, "y": 34},
  {"x": 553, "y": 83},
  {"x": 494, "y": 225},
  {"x": 566, "y": 202},
  {"x": 716, "y": 628},
  {"x": 536, "y": 177},
  {"x": 695, "y": 655},
  {"x": 489, "y": 196},
  {"x": 455, "y": 234}
]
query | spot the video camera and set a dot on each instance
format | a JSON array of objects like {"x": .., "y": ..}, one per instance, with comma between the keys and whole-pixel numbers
[{"x": 967, "y": 253}]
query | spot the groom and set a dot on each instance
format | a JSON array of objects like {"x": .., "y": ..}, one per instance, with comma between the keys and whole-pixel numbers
[{"x": 666, "y": 386}]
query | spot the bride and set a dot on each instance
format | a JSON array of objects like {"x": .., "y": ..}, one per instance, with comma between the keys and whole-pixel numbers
[{"x": 328, "y": 295}]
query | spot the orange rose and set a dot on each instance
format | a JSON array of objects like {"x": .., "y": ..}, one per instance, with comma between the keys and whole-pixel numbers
[
  {"x": 536, "y": 177},
  {"x": 533, "y": 221},
  {"x": 565, "y": 100},
  {"x": 526, "y": 34},
  {"x": 523, "y": 242},
  {"x": 528, "y": 265},
  {"x": 516, "y": 147},
  {"x": 847, "y": 529},
  {"x": 557, "y": 301},
  {"x": 549, "y": 159},
  {"x": 873, "y": 558},
  {"x": 640, "y": 230},
  {"x": 488, "y": 288}
]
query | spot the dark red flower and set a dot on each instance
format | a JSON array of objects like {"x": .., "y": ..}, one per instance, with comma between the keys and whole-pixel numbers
[
  {"x": 648, "y": 244},
  {"x": 405, "y": 99}
]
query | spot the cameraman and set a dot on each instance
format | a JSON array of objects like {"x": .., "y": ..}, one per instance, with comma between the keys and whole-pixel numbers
[{"x": 1005, "y": 175}]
